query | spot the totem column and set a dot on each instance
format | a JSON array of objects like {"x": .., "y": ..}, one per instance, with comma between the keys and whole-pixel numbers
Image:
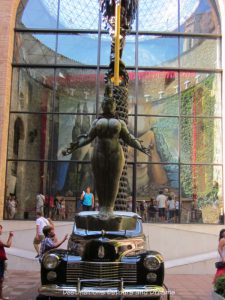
[{"x": 118, "y": 17}]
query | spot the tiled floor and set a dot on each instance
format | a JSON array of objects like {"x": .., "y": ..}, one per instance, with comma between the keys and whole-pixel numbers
[
  {"x": 195, "y": 287},
  {"x": 21, "y": 285}
]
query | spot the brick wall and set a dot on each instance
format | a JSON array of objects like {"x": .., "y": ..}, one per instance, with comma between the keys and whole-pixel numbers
[{"x": 7, "y": 21}]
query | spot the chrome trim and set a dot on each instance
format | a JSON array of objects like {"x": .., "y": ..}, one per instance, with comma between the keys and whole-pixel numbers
[
  {"x": 136, "y": 291},
  {"x": 101, "y": 270}
]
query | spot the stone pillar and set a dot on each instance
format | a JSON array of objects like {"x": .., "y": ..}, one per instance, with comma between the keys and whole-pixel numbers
[{"x": 7, "y": 24}]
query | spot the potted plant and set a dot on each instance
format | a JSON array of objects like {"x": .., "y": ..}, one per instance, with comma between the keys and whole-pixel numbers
[{"x": 219, "y": 293}]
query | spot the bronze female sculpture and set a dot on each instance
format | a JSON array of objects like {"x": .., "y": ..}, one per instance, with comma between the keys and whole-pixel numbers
[
  {"x": 108, "y": 158},
  {"x": 110, "y": 12}
]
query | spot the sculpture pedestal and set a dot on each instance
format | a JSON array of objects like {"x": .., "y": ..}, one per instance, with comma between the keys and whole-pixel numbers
[{"x": 111, "y": 223}]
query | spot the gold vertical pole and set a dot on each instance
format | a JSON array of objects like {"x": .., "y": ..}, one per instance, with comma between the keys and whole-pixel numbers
[{"x": 117, "y": 44}]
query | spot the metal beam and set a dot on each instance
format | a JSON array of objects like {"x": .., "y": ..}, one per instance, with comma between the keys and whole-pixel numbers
[{"x": 117, "y": 44}]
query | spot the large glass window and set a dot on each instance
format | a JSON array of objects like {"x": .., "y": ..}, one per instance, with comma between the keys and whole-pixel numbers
[{"x": 173, "y": 58}]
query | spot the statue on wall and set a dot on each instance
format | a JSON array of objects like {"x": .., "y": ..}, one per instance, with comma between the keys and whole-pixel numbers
[{"x": 108, "y": 157}]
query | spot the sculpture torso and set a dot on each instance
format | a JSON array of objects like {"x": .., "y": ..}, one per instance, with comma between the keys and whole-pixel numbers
[
  {"x": 108, "y": 128},
  {"x": 107, "y": 160},
  {"x": 108, "y": 131}
]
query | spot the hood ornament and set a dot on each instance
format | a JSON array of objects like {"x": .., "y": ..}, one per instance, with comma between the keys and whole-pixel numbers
[{"x": 101, "y": 252}]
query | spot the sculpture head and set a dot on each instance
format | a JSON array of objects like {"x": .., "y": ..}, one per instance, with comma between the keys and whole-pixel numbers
[{"x": 108, "y": 104}]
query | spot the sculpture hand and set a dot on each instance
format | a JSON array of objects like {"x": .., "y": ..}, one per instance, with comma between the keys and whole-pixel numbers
[
  {"x": 81, "y": 141},
  {"x": 69, "y": 150},
  {"x": 146, "y": 150}
]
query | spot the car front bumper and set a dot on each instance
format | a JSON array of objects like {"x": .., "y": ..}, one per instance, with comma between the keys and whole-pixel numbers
[{"x": 137, "y": 291}]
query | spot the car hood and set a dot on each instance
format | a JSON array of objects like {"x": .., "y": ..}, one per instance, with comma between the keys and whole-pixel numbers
[{"x": 105, "y": 248}]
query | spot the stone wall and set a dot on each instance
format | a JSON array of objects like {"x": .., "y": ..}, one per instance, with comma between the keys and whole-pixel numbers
[{"x": 7, "y": 22}]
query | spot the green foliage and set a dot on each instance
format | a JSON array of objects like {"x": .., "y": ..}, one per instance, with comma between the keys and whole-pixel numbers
[
  {"x": 210, "y": 199},
  {"x": 186, "y": 181},
  {"x": 220, "y": 286},
  {"x": 205, "y": 134}
]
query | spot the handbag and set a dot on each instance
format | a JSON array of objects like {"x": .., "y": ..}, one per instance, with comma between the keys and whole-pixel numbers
[{"x": 220, "y": 264}]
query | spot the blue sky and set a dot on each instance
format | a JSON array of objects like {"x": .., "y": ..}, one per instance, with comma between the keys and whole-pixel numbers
[{"x": 83, "y": 48}]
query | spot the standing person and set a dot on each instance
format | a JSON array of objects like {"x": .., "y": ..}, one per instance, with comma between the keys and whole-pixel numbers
[
  {"x": 161, "y": 201},
  {"x": 12, "y": 205},
  {"x": 50, "y": 240},
  {"x": 57, "y": 205},
  {"x": 41, "y": 222},
  {"x": 151, "y": 211},
  {"x": 166, "y": 193},
  {"x": 62, "y": 210},
  {"x": 3, "y": 258},
  {"x": 129, "y": 204},
  {"x": 40, "y": 200},
  {"x": 87, "y": 199},
  {"x": 171, "y": 208},
  {"x": 8, "y": 199},
  {"x": 177, "y": 210},
  {"x": 51, "y": 224},
  {"x": 50, "y": 207},
  {"x": 221, "y": 251},
  {"x": 144, "y": 210},
  {"x": 138, "y": 209}
]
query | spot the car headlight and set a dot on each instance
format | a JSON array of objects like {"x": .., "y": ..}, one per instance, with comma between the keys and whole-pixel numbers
[
  {"x": 152, "y": 262},
  {"x": 51, "y": 276},
  {"x": 50, "y": 261},
  {"x": 151, "y": 277}
]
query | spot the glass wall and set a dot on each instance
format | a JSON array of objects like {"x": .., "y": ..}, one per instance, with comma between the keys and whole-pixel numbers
[{"x": 173, "y": 58}]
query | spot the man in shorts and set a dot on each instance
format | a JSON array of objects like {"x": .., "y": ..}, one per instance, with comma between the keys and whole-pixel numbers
[
  {"x": 162, "y": 203},
  {"x": 3, "y": 258},
  {"x": 41, "y": 222},
  {"x": 40, "y": 200}
]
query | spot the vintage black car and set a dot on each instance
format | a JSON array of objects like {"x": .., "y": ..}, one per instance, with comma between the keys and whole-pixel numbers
[{"x": 103, "y": 263}]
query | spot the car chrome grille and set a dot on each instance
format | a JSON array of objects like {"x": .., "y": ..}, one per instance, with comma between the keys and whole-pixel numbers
[{"x": 103, "y": 271}]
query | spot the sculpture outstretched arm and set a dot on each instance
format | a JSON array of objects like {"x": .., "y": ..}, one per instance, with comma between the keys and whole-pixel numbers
[
  {"x": 82, "y": 140},
  {"x": 130, "y": 140}
]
